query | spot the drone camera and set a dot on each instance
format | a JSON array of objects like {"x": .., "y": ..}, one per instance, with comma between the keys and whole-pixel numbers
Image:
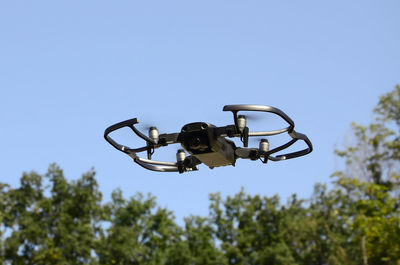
[
  {"x": 194, "y": 137},
  {"x": 198, "y": 139}
]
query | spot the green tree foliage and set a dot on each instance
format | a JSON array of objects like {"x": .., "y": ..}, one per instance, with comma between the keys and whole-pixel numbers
[
  {"x": 250, "y": 229},
  {"x": 64, "y": 222},
  {"x": 374, "y": 153},
  {"x": 371, "y": 181},
  {"x": 139, "y": 233},
  {"x": 56, "y": 229},
  {"x": 49, "y": 220}
]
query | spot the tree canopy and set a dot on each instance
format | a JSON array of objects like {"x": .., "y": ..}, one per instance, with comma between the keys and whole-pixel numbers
[{"x": 50, "y": 220}]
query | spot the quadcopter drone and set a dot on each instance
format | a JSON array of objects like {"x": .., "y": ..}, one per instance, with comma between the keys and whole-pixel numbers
[{"x": 208, "y": 144}]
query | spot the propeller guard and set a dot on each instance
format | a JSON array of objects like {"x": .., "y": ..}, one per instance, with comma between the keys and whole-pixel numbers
[{"x": 207, "y": 143}]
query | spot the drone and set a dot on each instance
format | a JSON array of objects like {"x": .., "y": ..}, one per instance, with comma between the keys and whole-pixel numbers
[{"x": 209, "y": 144}]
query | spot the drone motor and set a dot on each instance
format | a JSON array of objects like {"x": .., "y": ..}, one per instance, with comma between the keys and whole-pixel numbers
[
  {"x": 264, "y": 145},
  {"x": 241, "y": 122},
  {"x": 153, "y": 134}
]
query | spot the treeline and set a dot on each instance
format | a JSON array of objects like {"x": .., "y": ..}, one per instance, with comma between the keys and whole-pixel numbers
[{"x": 49, "y": 220}]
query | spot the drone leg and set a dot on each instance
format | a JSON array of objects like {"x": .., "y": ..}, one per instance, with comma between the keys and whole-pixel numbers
[{"x": 150, "y": 151}]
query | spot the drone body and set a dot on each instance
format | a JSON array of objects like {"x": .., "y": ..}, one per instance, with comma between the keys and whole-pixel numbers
[
  {"x": 200, "y": 140},
  {"x": 208, "y": 144}
]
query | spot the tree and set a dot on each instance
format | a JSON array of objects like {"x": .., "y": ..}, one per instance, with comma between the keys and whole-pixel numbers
[
  {"x": 138, "y": 233},
  {"x": 250, "y": 229},
  {"x": 374, "y": 153},
  {"x": 51, "y": 230},
  {"x": 373, "y": 206}
]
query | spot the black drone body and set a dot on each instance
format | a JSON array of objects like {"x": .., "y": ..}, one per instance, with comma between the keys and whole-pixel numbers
[{"x": 208, "y": 144}]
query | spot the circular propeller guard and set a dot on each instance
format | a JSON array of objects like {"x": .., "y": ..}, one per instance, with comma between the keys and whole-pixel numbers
[{"x": 208, "y": 144}]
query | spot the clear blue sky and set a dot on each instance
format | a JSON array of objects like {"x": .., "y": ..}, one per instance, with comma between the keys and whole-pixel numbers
[{"x": 69, "y": 69}]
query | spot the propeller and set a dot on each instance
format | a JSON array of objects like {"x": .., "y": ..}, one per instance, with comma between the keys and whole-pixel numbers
[
  {"x": 144, "y": 127},
  {"x": 274, "y": 140},
  {"x": 255, "y": 141},
  {"x": 255, "y": 117},
  {"x": 148, "y": 129}
]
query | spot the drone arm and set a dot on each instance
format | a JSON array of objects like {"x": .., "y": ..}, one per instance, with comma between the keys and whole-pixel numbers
[
  {"x": 168, "y": 138},
  {"x": 247, "y": 153}
]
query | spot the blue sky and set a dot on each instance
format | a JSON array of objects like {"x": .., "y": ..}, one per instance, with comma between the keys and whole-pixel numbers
[{"x": 69, "y": 69}]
